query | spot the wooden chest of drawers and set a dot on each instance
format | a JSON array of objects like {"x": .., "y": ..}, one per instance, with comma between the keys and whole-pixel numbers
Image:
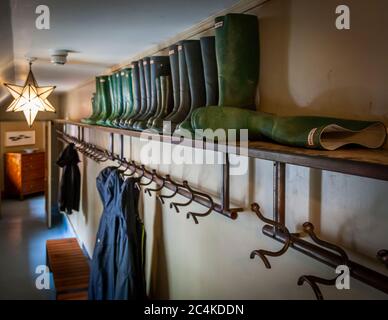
[{"x": 24, "y": 173}]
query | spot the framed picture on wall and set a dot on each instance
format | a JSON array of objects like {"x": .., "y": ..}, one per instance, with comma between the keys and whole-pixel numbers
[{"x": 19, "y": 138}]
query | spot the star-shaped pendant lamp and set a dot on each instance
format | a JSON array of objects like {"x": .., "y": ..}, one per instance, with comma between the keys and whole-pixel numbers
[{"x": 30, "y": 98}]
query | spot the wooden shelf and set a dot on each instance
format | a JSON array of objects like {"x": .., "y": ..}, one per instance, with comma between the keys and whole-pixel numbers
[{"x": 354, "y": 161}]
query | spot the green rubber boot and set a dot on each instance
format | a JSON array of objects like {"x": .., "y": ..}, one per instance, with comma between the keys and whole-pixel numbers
[
  {"x": 95, "y": 106},
  {"x": 95, "y": 111},
  {"x": 112, "y": 95},
  {"x": 160, "y": 65},
  {"x": 134, "y": 122},
  {"x": 210, "y": 75},
  {"x": 196, "y": 78},
  {"x": 136, "y": 94},
  {"x": 238, "y": 57},
  {"x": 126, "y": 85},
  {"x": 300, "y": 131},
  {"x": 116, "y": 95},
  {"x": 119, "y": 100},
  {"x": 165, "y": 101},
  {"x": 104, "y": 100}
]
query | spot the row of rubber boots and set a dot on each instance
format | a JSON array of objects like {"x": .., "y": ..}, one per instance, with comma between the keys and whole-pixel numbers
[
  {"x": 159, "y": 88},
  {"x": 212, "y": 83}
]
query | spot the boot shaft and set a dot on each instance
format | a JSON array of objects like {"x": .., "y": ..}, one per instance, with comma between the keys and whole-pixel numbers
[
  {"x": 147, "y": 79},
  {"x": 237, "y": 50},
  {"x": 193, "y": 57},
  {"x": 104, "y": 99},
  {"x": 184, "y": 87},
  {"x": 174, "y": 63},
  {"x": 208, "y": 51},
  {"x": 136, "y": 87},
  {"x": 160, "y": 66},
  {"x": 143, "y": 92},
  {"x": 126, "y": 85}
]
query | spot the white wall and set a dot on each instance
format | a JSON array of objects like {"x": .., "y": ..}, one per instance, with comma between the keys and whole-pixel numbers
[{"x": 307, "y": 67}]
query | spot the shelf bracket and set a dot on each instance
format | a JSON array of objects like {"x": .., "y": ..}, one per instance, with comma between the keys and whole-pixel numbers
[{"x": 225, "y": 197}]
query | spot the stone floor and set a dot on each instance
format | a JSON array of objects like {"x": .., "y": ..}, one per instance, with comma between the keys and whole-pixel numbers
[{"x": 23, "y": 233}]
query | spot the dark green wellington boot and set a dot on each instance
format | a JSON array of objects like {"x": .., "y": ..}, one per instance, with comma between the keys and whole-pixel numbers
[
  {"x": 158, "y": 103},
  {"x": 209, "y": 61},
  {"x": 184, "y": 92},
  {"x": 165, "y": 101},
  {"x": 95, "y": 106},
  {"x": 160, "y": 65},
  {"x": 89, "y": 120},
  {"x": 126, "y": 85},
  {"x": 112, "y": 90},
  {"x": 136, "y": 95},
  {"x": 104, "y": 100},
  {"x": 119, "y": 100},
  {"x": 238, "y": 57},
  {"x": 174, "y": 66},
  {"x": 300, "y": 131},
  {"x": 143, "y": 98},
  {"x": 141, "y": 124},
  {"x": 208, "y": 50}
]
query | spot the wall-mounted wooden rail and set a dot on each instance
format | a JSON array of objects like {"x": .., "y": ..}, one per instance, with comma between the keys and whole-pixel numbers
[{"x": 352, "y": 161}]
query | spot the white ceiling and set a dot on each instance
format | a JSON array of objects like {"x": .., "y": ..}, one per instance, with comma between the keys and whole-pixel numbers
[{"x": 103, "y": 33}]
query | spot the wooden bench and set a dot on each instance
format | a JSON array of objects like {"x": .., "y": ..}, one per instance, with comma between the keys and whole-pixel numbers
[{"x": 70, "y": 268}]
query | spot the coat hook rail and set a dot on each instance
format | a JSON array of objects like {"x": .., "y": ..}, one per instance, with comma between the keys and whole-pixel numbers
[{"x": 99, "y": 154}]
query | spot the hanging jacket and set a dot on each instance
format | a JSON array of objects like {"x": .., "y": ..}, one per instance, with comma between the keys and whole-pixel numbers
[
  {"x": 70, "y": 185},
  {"x": 117, "y": 264}
]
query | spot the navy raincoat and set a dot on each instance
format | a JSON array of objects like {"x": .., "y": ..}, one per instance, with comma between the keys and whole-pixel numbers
[{"x": 117, "y": 271}]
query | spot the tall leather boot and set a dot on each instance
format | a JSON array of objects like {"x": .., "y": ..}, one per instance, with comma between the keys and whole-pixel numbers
[
  {"x": 165, "y": 102},
  {"x": 104, "y": 100},
  {"x": 136, "y": 95},
  {"x": 159, "y": 66},
  {"x": 184, "y": 90},
  {"x": 195, "y": 73},
  {"x": 126, "y": 84},
  {"x": 174, "y": 65},
  {"x": 143, "y": 97}
]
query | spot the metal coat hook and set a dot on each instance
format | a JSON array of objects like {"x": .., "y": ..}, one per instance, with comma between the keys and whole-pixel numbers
[
  {"x": 128, "y": 166},
  {"x": 151, "y": 179},
  {"x": 194, "y": 215},
  {"x": 264, "y": 253},
  {"x": 137, "y": 183},
  {"x": 313, "y": 281},
  {"x": 162, "y": 197},
  {"x": 157, "y": 189},
  {"x": 176, "y": 205}
]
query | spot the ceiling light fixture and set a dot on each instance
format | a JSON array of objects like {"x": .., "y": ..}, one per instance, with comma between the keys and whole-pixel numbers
[{"x": 30, "y": 98}]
